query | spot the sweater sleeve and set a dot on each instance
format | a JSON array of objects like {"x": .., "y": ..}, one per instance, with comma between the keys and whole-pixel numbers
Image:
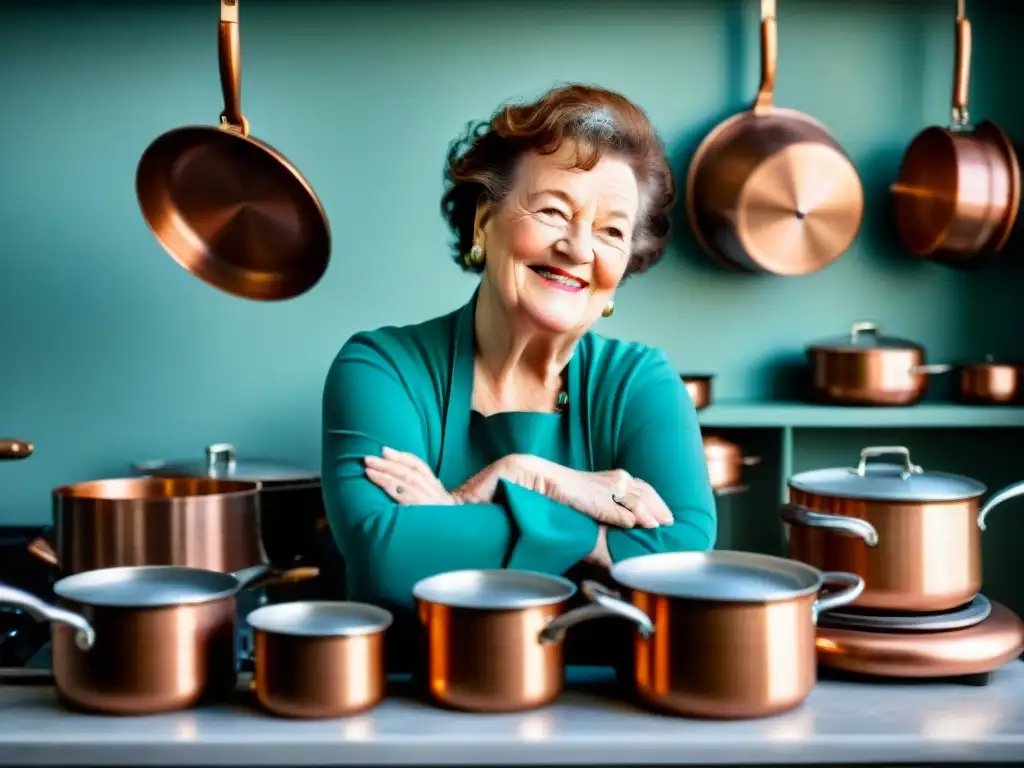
[
  {"x": 661, "y": 444},
  {"x": 388, "y": 547}
]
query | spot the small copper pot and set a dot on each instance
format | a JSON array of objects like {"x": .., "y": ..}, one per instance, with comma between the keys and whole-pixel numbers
[
  {"x": 914, "y": 536},
  {"x": 721, "y": 634},
  {"x": 725, "y": 463},
  {"x": 698, "y": 386},
  {"x": 14, "y": 449},
  {"x": 866, "y": 368},
  {"x": 319, "y": 659},
  {"x": 990, "y": 383}
]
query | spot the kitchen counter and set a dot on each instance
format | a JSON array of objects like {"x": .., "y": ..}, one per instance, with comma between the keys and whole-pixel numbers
[{"x": 842, "y": 722}]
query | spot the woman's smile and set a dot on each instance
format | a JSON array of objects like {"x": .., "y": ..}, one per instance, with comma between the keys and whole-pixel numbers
[{"x": 558, "y": 279}]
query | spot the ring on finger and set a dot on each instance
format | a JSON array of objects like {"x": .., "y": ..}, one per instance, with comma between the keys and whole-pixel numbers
[
  {"x": 621, "y": 500},
  {"x": 399, "y": 489}
]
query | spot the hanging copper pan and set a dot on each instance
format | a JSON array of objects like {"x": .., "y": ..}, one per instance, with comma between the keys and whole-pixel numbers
[
  {"x": 957, "y": 195},
  {"x": 230, "y": 209},
  {"x": 14, "y": 449},
  {"x": 769, "y": 190}
]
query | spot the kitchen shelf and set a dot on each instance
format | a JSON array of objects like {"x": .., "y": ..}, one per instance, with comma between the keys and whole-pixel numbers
[{"x": 793, "y": 414}]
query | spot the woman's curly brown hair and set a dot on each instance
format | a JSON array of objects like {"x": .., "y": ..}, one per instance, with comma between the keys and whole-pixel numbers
[{"x": 482, "y": 162}]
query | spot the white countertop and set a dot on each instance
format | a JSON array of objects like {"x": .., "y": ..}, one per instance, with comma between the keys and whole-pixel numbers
[{"x": 841, "y": 722}]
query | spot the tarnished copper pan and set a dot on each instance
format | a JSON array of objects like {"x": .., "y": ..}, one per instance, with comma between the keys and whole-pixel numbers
[
  {"x": 957, "y": 195},
  {"x": 318, "y": 659},
  {"x": 990, "y": 383},
  {"x": 15, "y": 449},
  {"x": 770, "y": 190},
  {"x": 699, "y": 388},
  {"x": 229, "y": 208}
]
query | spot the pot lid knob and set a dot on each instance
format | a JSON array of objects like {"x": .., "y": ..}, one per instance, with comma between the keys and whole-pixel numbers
[
  {"x": 863, "y": 327},
  {"x": 220, "y": 454},
  {"x": 909, "y": 468}
]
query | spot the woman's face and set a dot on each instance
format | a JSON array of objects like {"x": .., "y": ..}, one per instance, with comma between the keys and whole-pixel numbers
[{"x": 557, "y": 247}]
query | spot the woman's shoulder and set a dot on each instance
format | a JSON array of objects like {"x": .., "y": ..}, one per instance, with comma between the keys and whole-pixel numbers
[{"x": 620, "y": 364}]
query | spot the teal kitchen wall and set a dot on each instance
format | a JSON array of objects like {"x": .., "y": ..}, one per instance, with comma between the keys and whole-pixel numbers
[{"x": 111, "y": 353}]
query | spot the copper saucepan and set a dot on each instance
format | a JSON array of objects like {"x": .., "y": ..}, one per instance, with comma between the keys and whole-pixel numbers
[
  {"x": 142, "y": 640},
  {"x": 733, "y": 632},
  {"x": 199, "y": 523},
  {"x": 913, "y": 535},
  {"x": 11, "y": 449},
  {"x": 957, "y": 195},
  {"x": 990, "y": 383},
  {"x": 316, "y": 659},
  {"x": 229, "y": 208},
  {"x": 770, "y": 190},
  {"x": 699, "y": 388},
  {"x": 725, "y": 462},
  {"x": 867, "y": 368}
]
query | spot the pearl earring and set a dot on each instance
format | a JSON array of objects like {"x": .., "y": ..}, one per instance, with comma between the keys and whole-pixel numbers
[{"x": 475, "y": 257}]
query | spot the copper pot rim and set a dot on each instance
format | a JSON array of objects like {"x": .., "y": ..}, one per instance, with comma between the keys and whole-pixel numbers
[
  {"x": 442, "y": 590},
  {"x": 697, "y": 378},
  {"x": 157, "y": 489},
  {"x": 286, "y": 620},
  {"x": 991, "y": 365}
]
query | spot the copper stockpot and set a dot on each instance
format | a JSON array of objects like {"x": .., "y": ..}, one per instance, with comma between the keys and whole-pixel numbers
[
  {"x": 229, "y": 208},
  {"x": 317, "y": 659},
  {"x": 698, "y": 387},
  {"x": 990, "y": 383},
  {"x": 914, "y": 536},
  {"x": 867, "y": 368},
  {"x": 721, "y": 634},
  {"x": 725, "y": 463},
  {"x": 770, "y": 190},
  {"x": 208, "y": 524},
  {"x": 957, "y": 195},
  {"x": 142, "y": 640},
  {"x": 494, "y": 637},
  {"x": 14, "y": 449}
]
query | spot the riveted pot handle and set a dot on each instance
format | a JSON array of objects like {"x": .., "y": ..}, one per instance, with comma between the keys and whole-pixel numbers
[
  {"x": 1007, "y": 493},
  {"x": 962, "y": 67},
  {"x": 877, "y": 451},
  {"x": 855, "y": 585},
  {"x": 604, "y": 602},
  {"x": 794, "y": 514},
  {"x": 769, "y": 58},
  {"x": 85, "y": 635}
]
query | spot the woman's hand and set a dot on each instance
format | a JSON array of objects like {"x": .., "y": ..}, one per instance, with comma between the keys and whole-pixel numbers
[
  {"x": 406, "y": 478},
  {"x": 611, "y": 498}
]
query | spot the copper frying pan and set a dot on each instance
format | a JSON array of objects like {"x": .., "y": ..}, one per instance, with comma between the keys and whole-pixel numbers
[
  {"x": 957, "y": 194},
  {"x": 229, "y": 208},
  {"x": 769, "y": 190},
  {"x": 15, "y": 449}
]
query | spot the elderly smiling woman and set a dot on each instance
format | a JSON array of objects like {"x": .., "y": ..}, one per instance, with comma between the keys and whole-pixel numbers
[{"x": 507, "y": 433}]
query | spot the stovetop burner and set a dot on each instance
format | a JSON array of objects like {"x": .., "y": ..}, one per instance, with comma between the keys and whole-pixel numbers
[{"x": 974, "y": 612}]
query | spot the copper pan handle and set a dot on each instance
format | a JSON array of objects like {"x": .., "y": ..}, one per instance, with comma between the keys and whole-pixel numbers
[
  {"x": 40, "y": 549},
  {"x": 229, "y": 55},
  {"x": 769, "y": 58},
  {"x": 962, "y": 67},
  {"x": 854, "y": 585},
  {"x": 85, "y": 635},
  {"x": 604, "y": 602},
  {"x": 794, "y": 514},
  {"x": 997, "y": 498},
  {"x": 15, "y": 449}
]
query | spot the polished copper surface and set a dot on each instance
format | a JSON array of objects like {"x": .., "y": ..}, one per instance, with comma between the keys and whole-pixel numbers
[
  {"x": 769, "y": 190},
  {"x": 973, "y": 650},
  {"x": 725, "y": 660},
  {"x": 202, "y": 523},
  {"x": 957, "y": 193},
  {"x": 725, "y": 462},
  {"x": 147, "y": 660},
  {"x": 991, "y": 383},
  {"x": 491, "y": 660},
  {"x": 318, "y": 677},
  {"x": 699, "y": 388},
  {"x": 12, "y": 449},
  {"x": 229, "y": 208},
  {"x": 928, "y": 556}
]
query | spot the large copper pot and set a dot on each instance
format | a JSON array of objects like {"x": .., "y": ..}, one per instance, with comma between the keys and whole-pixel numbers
[
  {"x": 867, "y": 368},
  {"x": 721, "y": 634},
  {"x": 957, "y": 195},
  {"x": 319, "y": 659},
  {"x": 142, "y": 640},
  {"x": 770, "y": 190},
  {"x": 914, "y": 536}
]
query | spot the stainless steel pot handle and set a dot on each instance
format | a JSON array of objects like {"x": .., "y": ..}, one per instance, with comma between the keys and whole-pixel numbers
[
  {"x": 604, "y": 602},
  {"x": 875, "y": 451},
  {"x": 220, "y": 453},
  {"x": 794, "y": 514},
  {"x": 1007, "y": 493},
  {"x": 85, "y": 635},
  {"x": 855, "y": 585},
  {"x": 862, "y": 327}
]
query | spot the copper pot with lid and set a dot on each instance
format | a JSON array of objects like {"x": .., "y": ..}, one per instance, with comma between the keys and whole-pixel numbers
[
  {"x": 725, "y": 462},
  {"x": 990, "y": 382},
  {"x": 291, "y": 502},
  {"x": 913, "y": 535},
  {"x": 867, "y": 368},
  {"x": 770, "y": 190}
]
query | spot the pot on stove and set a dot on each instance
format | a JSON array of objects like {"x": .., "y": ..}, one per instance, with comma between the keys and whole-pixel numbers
[{"x": 913, "y": 535}]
